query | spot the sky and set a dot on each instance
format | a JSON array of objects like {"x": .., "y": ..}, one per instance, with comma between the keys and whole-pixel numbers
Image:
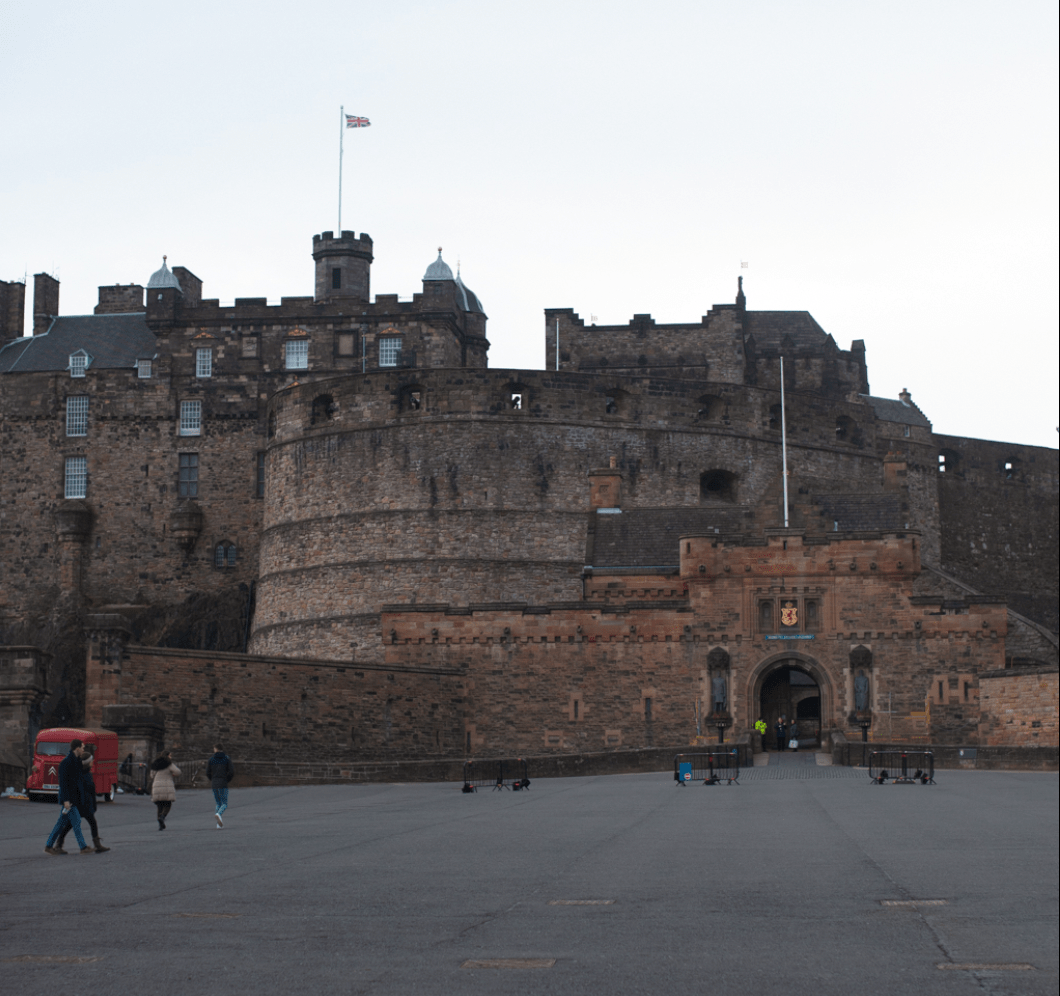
[{"x": 890, "y": 167}]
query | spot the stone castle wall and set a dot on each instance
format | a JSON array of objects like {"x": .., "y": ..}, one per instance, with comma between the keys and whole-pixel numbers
[{"x": 1000, "y": 522}]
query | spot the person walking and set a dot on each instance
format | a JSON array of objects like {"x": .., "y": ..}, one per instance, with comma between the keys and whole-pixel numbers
[
  {"x": 69, "y": 795},
  {"x": 220, "y": 771},
  {"x": 87, "y": 803},
  {"x": 793, "y": 734},
  {"x": 163, "y": 786}
]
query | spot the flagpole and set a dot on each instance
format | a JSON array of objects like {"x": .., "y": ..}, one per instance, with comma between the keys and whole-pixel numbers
[
  {"x": 784, "y": 442},
  {"x": 342, "y": 129}
]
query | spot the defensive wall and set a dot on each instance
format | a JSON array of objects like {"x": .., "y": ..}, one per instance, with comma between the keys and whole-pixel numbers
[{"x": 424, "y": 485}]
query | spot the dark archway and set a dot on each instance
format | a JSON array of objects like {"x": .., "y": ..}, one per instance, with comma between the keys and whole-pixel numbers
[{"x": 794, "y": 687}]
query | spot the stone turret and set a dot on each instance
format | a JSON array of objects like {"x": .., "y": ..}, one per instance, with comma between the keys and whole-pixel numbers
[{"x": 343, "y": 266}]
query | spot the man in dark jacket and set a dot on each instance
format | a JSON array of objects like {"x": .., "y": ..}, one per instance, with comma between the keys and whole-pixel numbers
[
  {"x": 220, "y": 772},
  {"x": 70, "y": 775}
]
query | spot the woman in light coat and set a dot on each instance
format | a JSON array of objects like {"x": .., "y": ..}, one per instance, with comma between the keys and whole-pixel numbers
[{"x": 163, "y": 785}]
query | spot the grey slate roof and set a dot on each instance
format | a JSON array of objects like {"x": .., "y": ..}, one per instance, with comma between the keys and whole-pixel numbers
[
  {"x": 113, "y": 341},
  {"x": 438, "y": 270},
  {"x": 896, "y": 410},
  {"x": 467, "y": 296},
  {"x": 769, "y": 329}
]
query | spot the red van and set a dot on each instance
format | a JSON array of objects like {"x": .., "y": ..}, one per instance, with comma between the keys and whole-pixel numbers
[{"x": 54, "y": 744}]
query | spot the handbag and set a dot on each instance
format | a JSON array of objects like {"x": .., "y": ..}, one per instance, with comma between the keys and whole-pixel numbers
[{"x": 793, "y": 744}]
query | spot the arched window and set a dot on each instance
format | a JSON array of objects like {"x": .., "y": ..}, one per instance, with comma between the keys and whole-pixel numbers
[{"x": 224, "y": 555}]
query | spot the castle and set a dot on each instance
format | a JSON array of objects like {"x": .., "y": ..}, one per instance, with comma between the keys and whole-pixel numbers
[{"x": 327, "y": 528}]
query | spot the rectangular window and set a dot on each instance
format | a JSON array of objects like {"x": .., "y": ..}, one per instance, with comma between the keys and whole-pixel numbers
[
  {"x": 389, "y": 351},
  {"x": 346, "y": 344},
  {"x": 143, "y": 369},
  {"x": 190, "y": 418},
  {"x": 259, "y": 484},
  {"x": 336, "y": 278},
  {"x": 77, "y": 416},
  {"x": 204, "y": 363},
  {"x": 78, "y": 364},
  {"x": 188, "y": 475},
  {"x": 76, "y": 485},
  {"x": 296, "y": 354}
]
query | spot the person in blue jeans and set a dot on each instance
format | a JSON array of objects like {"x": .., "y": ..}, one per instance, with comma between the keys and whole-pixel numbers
[
  {"x": 70, "y": 777},
  {"x": 220, "y": 771}
]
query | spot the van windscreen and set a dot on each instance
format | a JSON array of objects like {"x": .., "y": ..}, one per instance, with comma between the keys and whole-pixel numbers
[{"x": 43, "y": 747}]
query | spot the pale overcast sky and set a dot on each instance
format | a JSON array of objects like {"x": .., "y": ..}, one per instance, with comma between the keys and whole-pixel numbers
[{"x": 890, "y": 167}]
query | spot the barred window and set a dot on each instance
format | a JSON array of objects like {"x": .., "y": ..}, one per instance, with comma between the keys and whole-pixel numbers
[
  {"x": 389, "y": 351},
  {"x": 204, "y": 363},
  {"x": 77, "y": 416},
  {"x": 76, "y": 485},
  {"x": 78, "y": 364},
  {"x": 190, "y": 418},
  {"x": 297, "y": 354},
  {"x": 188, "y": 475},
  {"x": 143, "y": 369}
]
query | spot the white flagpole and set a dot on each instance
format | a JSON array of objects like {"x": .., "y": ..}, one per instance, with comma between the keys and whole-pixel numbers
[
  {"x": 784, "y": 442},
  {"x": 342, "y": 130}
]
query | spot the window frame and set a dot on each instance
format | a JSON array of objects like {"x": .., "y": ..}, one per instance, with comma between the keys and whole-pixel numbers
[
  {"x": 297, "y": 349},
  {"x": 75, "y": 477},
  {"x": 203, "y": 362},
  {"x": 77, "y": 415},
  {"x": 78, "y": 363},
  {"x": 190, "y": 425},
  {"x": 390, "y": 351},
  {"x": 144, "y": 369},
  {"x": 187, "y": 475}
]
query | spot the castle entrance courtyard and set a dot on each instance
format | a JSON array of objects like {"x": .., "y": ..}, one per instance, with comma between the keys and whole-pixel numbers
[{"x": 802, "y": 879}]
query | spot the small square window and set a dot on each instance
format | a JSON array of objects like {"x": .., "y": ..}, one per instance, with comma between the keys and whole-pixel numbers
[
  {"x": 76, "y": 485},
  {"x": 188, "y": 475},
  {"x": 204, "y": 363},
  {"x": 389, "y": 351},
  {"x": 78, "y": 364},
  {"x": 143, "y": 369},
  {"x": 296, "y": 354},
  {"x": 77, "y": 416},
  {"x": 190, "y": 418}
]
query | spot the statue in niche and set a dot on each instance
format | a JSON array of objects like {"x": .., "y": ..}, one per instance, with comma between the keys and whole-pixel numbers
[
  {"x": 861, "y": 692},
  {"x": 719, "y": 696}
]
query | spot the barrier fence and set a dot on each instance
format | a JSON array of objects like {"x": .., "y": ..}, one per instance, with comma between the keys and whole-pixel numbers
[
  {"x": 503, "y": 774},
  {"x": 902, "y": 767},
  {"x": 711, "y": 768}
]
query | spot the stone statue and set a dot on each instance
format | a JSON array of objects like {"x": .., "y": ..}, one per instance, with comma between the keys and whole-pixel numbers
[
  {"x": 861, "y": 692},
  {"x": 718, "y": 693}
]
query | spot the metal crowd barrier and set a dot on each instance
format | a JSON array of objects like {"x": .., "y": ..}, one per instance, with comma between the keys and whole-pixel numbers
[
  {"x": 902, "y": 767},
  {"x": 711, "y": 768},
  {"x": 133, "y": 778},
  {"x": 506, "y": 774}
]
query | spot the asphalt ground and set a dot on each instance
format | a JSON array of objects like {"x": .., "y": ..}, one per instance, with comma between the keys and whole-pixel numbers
[{"x": 624, "y": 884}]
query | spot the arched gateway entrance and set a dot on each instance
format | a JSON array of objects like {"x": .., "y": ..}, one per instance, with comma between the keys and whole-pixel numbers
[{"x": 793, "y": 686}]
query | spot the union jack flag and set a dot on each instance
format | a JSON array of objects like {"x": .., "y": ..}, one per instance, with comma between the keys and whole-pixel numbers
[{"x": 353, "y": 121}]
